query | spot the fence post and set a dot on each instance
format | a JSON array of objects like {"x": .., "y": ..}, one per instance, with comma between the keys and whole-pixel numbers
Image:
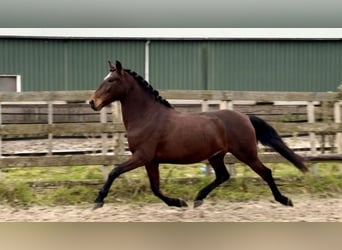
[
  {"x": 312, "y": 135},
  {"x": 337, "y": 119},
  {"x": 50, "y": 122}
]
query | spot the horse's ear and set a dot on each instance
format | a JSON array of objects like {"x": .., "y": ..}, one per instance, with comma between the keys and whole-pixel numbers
[
  {"x": 111, "y": 65},
  {"x": 118, "y": 67}
]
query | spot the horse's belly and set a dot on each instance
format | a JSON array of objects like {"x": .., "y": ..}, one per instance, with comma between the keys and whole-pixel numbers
[
  {"x": 181, "y": 159},
  {"x": 187, "y": 153}
]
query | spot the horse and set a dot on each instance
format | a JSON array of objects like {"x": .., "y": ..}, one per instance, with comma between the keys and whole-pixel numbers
[{"x": 158, "y": 133}]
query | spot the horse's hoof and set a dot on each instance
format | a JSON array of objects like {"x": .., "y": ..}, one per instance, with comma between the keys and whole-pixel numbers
[
  {"x": 182, "y": 203},
  {"x": 286, "y": 202},
  {"x": 98, "y": 205},
  {"x": 198, "y": 203},
  {"x": 289, "y": 203}
]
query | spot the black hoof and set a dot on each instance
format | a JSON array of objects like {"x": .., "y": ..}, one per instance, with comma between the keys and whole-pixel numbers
[
  {"x": 182, "y": 203},
  {"x": 198, "y": 203},
  {"x": 98, "y": 205},
  {"x": 285, "y": 201}
]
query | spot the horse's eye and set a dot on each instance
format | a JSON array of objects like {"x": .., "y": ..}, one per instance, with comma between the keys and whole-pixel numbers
[{"x": 111, "y": 80}]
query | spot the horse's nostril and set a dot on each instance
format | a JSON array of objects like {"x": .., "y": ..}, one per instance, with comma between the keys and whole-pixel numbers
[{"x": 92, "y": 104}]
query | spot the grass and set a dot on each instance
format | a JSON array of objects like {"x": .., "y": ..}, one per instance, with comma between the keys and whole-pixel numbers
[
  {"x": 177, "y": 181},
  {"x": 52, "y": 173}
]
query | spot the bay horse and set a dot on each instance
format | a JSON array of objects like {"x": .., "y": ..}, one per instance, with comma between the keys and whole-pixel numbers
[{"x": 158, "y": 133}]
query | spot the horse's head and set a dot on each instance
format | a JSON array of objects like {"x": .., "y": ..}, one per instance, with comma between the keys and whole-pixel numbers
[{"x": 111, "y": 89}]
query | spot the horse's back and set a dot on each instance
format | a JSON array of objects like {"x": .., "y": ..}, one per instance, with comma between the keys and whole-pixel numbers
[{"x": 232, "y": 117}]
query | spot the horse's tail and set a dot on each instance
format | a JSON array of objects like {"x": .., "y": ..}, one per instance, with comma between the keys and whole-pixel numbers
[{"x": 267, "y": 135}]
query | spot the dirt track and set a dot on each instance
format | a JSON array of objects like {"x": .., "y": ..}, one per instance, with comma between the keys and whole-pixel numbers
[{"x": 306, "y": 209}]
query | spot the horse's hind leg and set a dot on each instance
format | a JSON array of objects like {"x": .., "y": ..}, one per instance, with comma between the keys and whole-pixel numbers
[
  {"x": 221, "y": 176},
  {"x": 266, "y": 174},
  {"x": 153, "y": 175}
]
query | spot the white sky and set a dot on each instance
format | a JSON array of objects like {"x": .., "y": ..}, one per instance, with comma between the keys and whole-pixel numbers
[{"x": 198, "y": 33}]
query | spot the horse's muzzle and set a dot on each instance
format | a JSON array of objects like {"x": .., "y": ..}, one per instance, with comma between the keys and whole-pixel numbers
[{"x": 92, "y": 104}]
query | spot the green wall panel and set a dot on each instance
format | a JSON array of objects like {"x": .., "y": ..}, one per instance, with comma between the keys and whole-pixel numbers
[
  {"x": 261, "y": 65},
  {"x": 275, "y": 65},
  {"x": 264, "y": 65},
  {"x": 177, "y": 64},
  {"x": 54, "y": 64}
]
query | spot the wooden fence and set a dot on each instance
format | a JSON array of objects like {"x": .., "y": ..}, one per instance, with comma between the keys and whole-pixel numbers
[{"x": 310, "y": 114}]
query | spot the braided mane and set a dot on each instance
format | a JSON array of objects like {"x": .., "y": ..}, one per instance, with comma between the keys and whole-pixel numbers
[{"x": 145, "y": 85}]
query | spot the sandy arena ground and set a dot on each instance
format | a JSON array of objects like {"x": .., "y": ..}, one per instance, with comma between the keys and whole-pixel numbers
[{"x": 306, "y": 209}]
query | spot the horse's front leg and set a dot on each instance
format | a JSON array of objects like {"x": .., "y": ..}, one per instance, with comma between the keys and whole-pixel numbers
[
  {"x": 153, "y": 175},
  {"x": 132, "y": 163}
]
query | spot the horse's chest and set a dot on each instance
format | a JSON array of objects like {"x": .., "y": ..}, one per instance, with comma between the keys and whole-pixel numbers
[{"x": 141, "y": 141}]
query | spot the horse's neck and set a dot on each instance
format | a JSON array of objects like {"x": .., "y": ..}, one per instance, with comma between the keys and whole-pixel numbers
[{"x": 138, "y": 107}]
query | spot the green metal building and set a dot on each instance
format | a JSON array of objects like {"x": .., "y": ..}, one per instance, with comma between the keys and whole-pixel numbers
[{"x": 40, "y": 64}]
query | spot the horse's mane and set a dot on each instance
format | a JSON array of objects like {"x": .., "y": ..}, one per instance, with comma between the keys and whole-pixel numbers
[{"x": 148, "y": 87}]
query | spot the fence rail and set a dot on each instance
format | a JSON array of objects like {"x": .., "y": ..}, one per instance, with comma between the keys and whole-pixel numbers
[
  {"x": 322, "y": 115},
  {"x": 224, "y": 95},
  {"x": 84, "y": 128},
  {"x": 106, "y": 160}
]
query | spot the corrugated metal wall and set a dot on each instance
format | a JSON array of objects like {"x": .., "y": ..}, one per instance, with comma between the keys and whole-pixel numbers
[
  {"x": 265, "y": 65},
  {"x": 275, "y": 65},
  {"x": 89, "y": 60},
  {"x": 39, "y": 62},
  {"x": 66, "y": 64},
  {"x": 177, "y": 64}
]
